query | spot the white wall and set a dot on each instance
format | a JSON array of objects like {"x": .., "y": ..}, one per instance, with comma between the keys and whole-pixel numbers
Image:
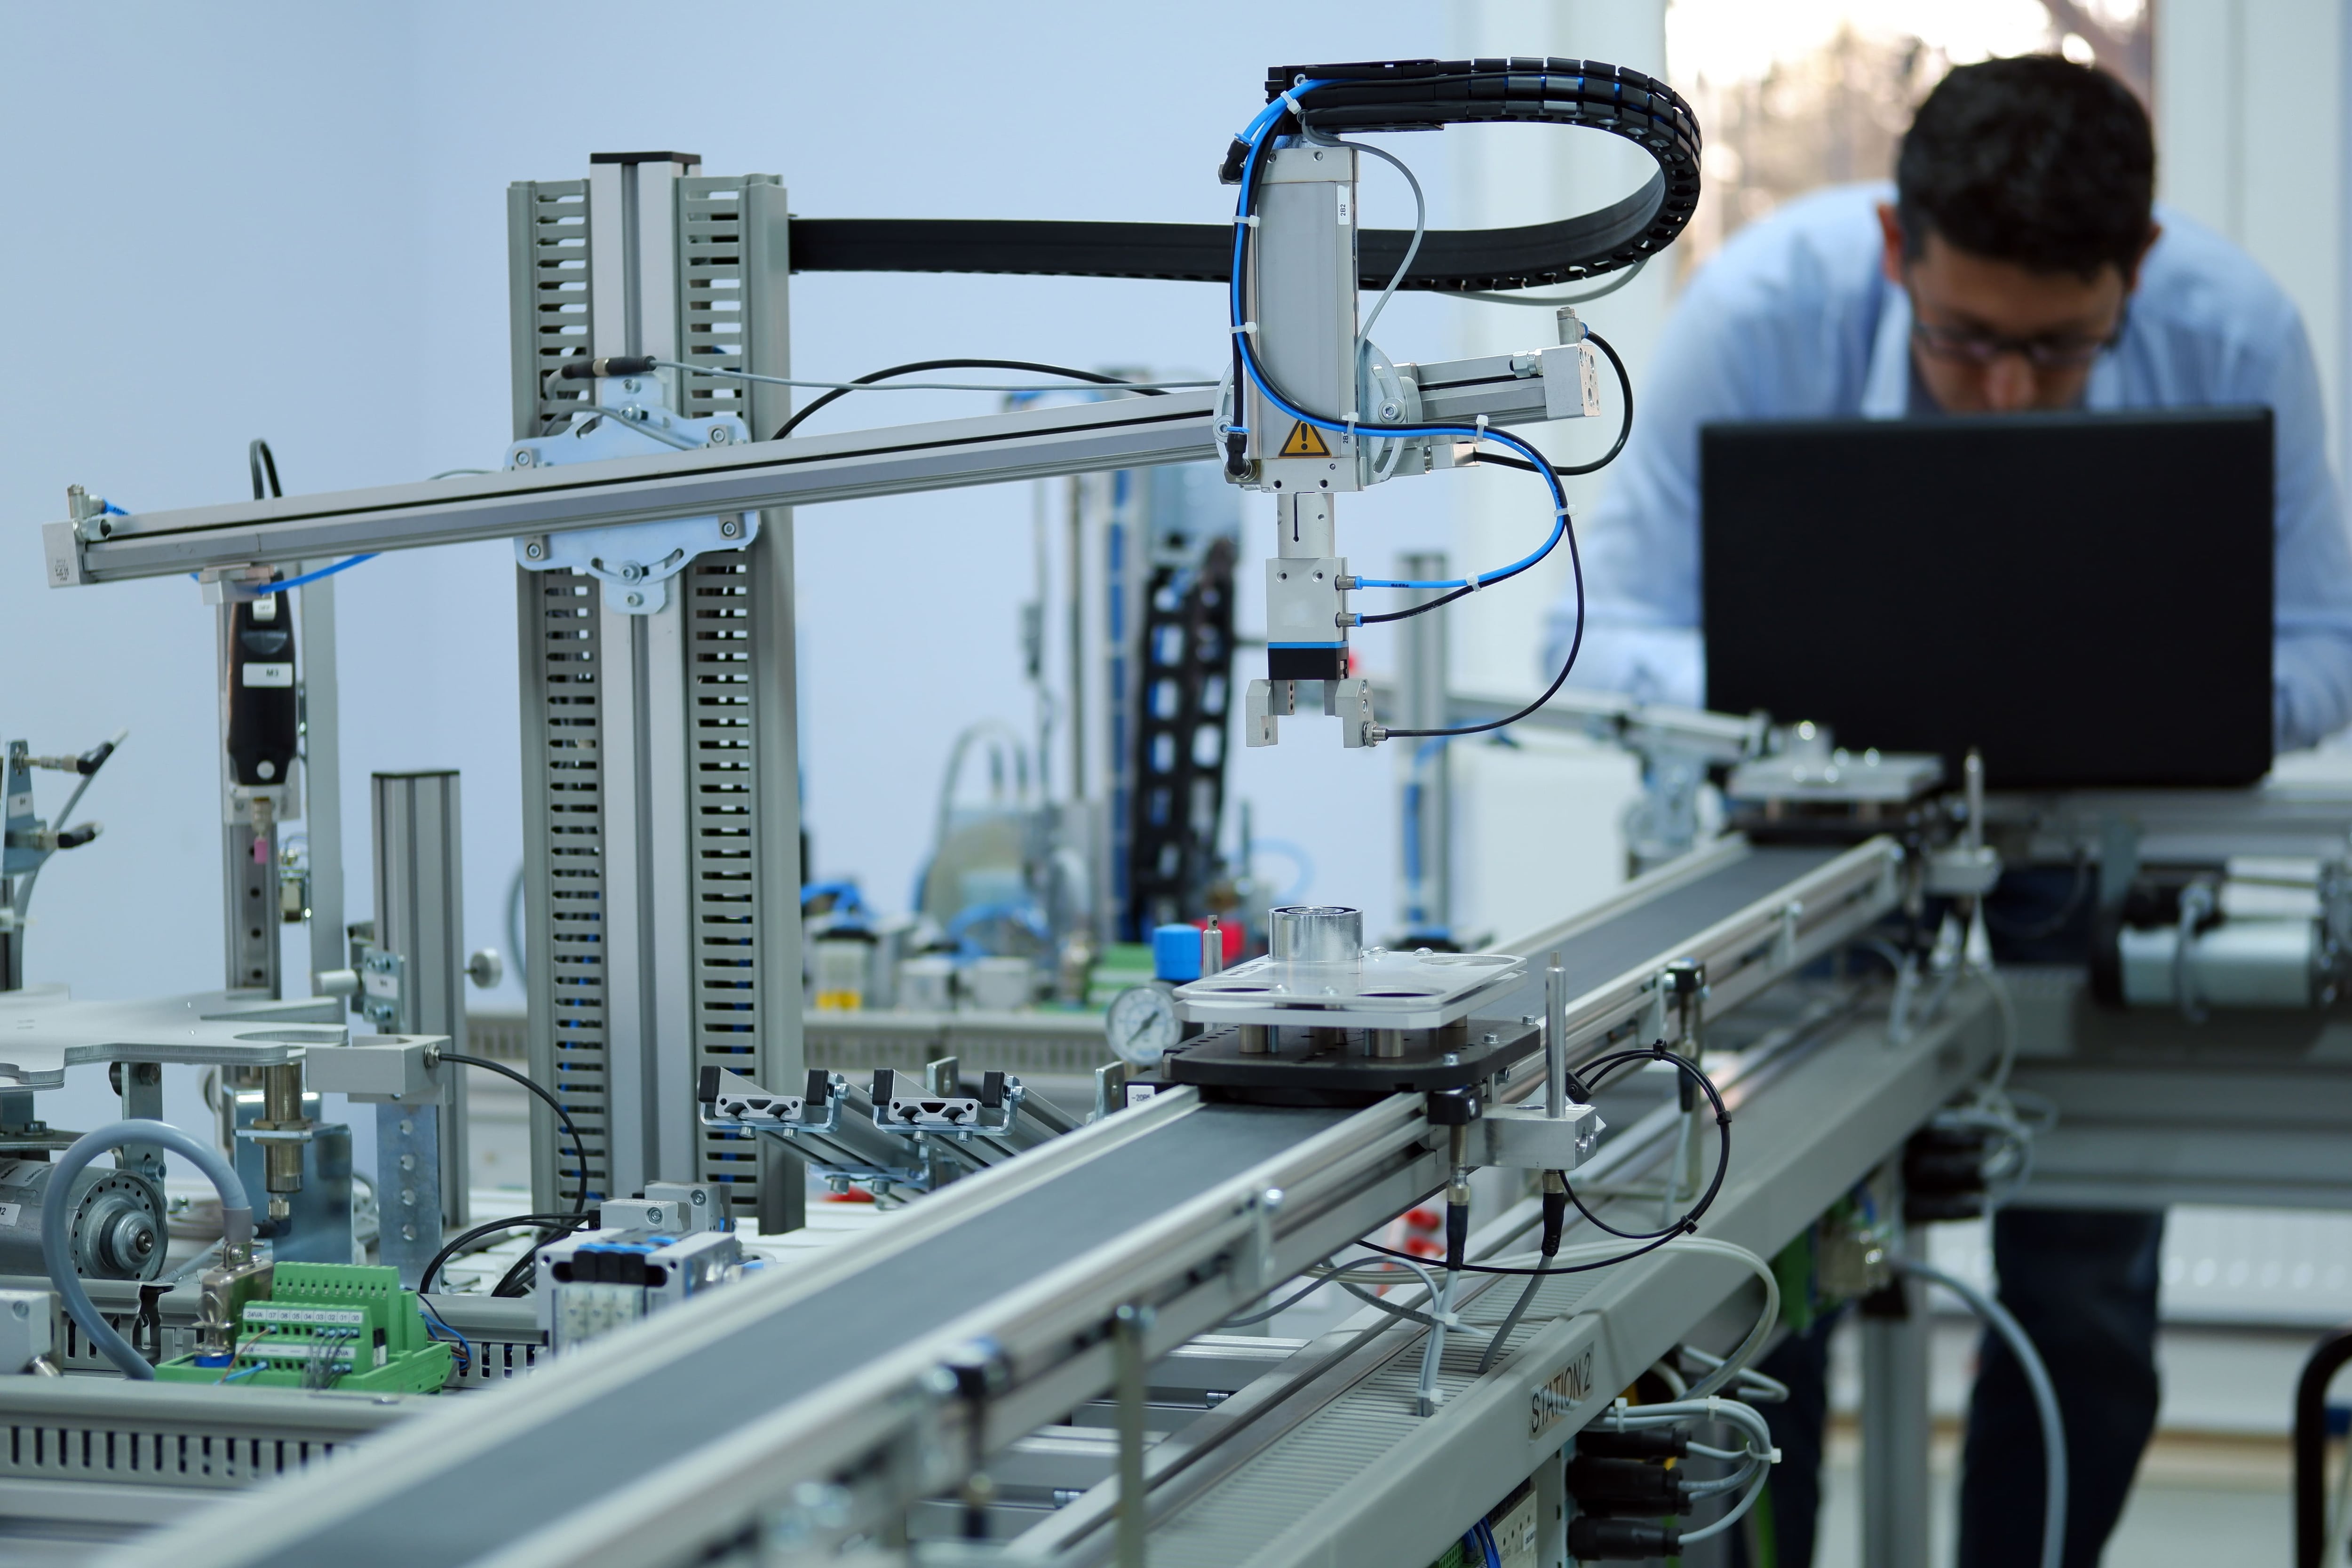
[
  {"x": 2250, "y": 114},
  {"x": 1516, "y": 175}
]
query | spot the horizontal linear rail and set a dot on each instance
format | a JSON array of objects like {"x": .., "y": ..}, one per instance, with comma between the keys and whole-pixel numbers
[{"x": 1040, "y": 443}]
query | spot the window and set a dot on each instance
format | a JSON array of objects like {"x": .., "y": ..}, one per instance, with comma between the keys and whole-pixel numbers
[{"x": 1806, "y": 93}]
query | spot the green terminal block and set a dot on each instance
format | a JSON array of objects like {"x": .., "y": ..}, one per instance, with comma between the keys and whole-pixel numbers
[{"x": 328, "y": 1325}]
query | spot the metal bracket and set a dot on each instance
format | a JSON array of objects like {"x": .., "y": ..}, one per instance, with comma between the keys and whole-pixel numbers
[
  {"x": 1254, "y": 1258},
  {"x": 384, "y": 987},
  {"x": 907, "y": 1111},
  {"x": 1351, "y": 701},
  {"x": 1529, "y": 1138},
  {"x": 1784, "y": 945},
  {"x": 636, "y": 560},
  {"x": 1267, "y": 702}
]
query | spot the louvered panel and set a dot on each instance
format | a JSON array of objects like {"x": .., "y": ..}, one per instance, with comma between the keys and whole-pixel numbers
[
  {"x": 723, "y": 786},
  {"x": 554, "y": 292},
  {"x": 712, "y": 306},
  {"x": 566, "y": 944}
]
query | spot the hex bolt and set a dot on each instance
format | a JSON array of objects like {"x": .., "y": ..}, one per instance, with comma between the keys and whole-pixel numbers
[{"x": 535, "y": 549}]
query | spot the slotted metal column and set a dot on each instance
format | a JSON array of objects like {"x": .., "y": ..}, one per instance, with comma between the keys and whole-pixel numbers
[{"x": 661, "y": 789}]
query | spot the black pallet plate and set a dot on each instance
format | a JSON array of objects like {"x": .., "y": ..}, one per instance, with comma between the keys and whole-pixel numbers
[{"x": 1300, "y": 1072}]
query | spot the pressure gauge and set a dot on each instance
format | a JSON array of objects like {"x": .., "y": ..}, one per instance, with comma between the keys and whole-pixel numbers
[{"x": 1141, "y": 1025}]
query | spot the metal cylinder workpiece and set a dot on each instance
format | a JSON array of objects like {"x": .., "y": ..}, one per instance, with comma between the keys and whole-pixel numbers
[
  {"x": 1304, "y": 933},
  {"x": 281, "y": 1106}
]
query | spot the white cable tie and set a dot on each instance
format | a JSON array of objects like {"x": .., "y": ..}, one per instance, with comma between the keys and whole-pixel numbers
[
  {"x": 1481, "y": 435},
  {"x": 1287, "y": 98},
  {"x": 1246, "y": 327},
  {"x": 1248, "y": 218},
  {"x": 1774, "y": 1454}
]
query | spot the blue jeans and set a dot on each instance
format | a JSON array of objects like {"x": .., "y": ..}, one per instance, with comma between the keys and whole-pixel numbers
[{"x": 2082, "y": 1283}]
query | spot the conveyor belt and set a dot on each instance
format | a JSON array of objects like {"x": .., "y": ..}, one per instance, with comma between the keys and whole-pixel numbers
[
  {"x": 607, "y": 1426},
  {"x": 1592, "y": 958},
  {"x": 487, "y": 1498},
  {"x": 1598, "y": 956}
]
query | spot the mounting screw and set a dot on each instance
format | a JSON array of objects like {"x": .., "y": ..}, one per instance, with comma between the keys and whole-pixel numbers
[
  {"x": 524, "y": 457},
  {"x": 720, "y": 434},
  {"x": 634, "y": 600},
  {"x": 535, "y": 550}
]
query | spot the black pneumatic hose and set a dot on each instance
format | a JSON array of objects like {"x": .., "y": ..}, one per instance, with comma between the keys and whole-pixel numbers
[
  {"x": 578, "y": 1149},
  {"x": 552, "y": 1224},
  {"x": 1555, "y": 1221},
  {"x": 1092, "y": 378}
]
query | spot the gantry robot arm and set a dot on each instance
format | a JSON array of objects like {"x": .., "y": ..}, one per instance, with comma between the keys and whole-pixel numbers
[{"x": 1318, "y": 410}]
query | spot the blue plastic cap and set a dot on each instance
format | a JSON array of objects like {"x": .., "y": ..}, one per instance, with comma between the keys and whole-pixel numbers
[{"x": 1176, "y": 952}]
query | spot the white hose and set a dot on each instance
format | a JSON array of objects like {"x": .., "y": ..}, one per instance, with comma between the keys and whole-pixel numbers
[
  {"x": 2045, "y": 1400},
  {"x": 57, "y": 1223}
]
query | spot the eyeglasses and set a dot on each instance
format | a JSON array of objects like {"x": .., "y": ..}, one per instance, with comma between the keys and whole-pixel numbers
[{"x": 2057, "y": 351}]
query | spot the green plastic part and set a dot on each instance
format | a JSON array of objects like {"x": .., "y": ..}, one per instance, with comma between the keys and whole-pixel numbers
[{"x": 344, "y": 1326}]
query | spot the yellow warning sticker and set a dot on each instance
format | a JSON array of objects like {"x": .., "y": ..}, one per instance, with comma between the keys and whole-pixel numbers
[{"x": 1306, "y": 441}]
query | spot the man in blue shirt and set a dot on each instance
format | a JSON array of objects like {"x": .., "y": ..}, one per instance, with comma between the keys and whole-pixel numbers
[
  {"x": 2018, "y": 263},
  {"x": 2018, "y": 266}
]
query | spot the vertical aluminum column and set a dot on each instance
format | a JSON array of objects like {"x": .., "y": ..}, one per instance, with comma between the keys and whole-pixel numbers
[
  {"x": 322, "y": 772},
  {"x": 661, "y": 799},
  {"x": 1428, "y": 766},
  {"x": 1895, "y": 1427},
  {"x": 420, "y": 917}
]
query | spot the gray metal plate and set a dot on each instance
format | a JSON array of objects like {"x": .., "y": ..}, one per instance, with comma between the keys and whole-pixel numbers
[{"x": 43, "y": 1031}]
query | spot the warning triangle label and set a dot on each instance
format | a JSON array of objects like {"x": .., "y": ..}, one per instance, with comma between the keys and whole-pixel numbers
[{"x": 1306, "y": 441}]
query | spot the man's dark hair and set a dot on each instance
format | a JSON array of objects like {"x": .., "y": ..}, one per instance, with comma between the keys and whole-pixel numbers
[{"x": 2033, "y": 160}]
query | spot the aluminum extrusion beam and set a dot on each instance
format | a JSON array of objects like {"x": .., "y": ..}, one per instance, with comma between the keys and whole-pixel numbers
[
  {"x": 1040, "y": 443},
  {"x": 2283, "y": 816},
  {"x": 2250, "y": 1107}
]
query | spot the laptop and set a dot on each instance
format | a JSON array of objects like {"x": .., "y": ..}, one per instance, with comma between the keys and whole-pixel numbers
[{"x": 2086, "y": 598}]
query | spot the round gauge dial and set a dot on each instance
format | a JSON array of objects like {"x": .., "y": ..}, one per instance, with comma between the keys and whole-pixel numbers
[{"x": 1140, "y": 1024}]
